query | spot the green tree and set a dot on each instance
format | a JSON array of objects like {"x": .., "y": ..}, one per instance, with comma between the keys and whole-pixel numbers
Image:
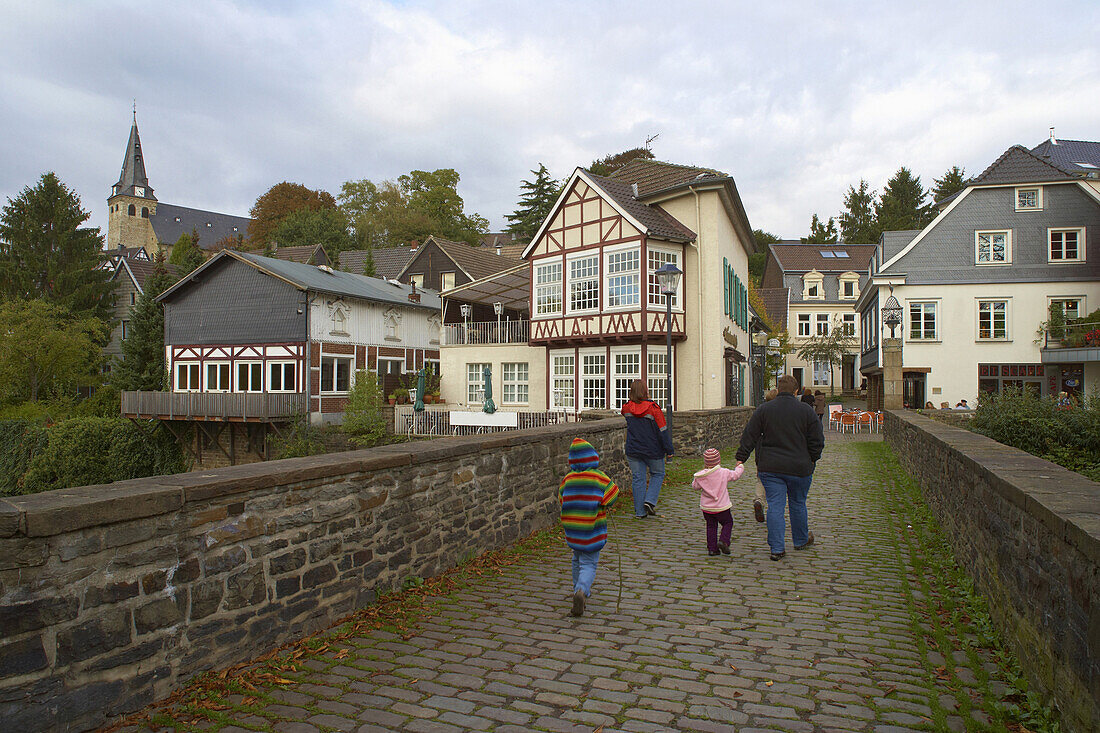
[
  {"x": 537, "y": 197},
  {"x": 46, "y": 351},
  {"x": 902, "y": 203},
  {"x": 758, "y": 259},
  {"x": 953, "y": 181},
  {"x": 142, "y": 364},
  {"x": 327, "y": 227},
  {"x": 279, "y": 202},
  {"x": 186, "y": 254},
  {"x": 775, "y": 358},
  {"x": 368, "y": 265},
  {"x": 415, "y": 207},
  {"x": 608, "y": 164},
  {"x": 46, "y": 253},
  {"x": 364, "y": 422},
  {"x": 857, "y": 222},
  {"x": 821, "y": 233},
  {"x": 830, "y": 348}
]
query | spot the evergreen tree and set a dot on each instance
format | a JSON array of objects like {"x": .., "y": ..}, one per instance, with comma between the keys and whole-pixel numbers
[
  {"x": 368, "y": 265},
  {"x": 902, "y": 204},
  {"x": 758, "y": 259},
  {"x": 536, "y": 199},
  {"x": 46, "y": 254},
  {"x": 821, "y": 233},
  {"x": 857, "y": 221},
  {"x": 952, "y": 181},
  {"x": 142, "y": 365},
  {"x": 186, "y": 254}
]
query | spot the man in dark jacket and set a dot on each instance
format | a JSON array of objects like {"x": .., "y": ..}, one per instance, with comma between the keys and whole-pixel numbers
[{"x": 788, "y": 439}]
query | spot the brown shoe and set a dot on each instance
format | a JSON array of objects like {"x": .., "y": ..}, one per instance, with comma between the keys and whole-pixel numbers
[
  {"x": 758, "y": 509},
  {"x": 723, "y": 548},
  {"x": 808, "y": 543},
  {"x": 578, "y": 604}
]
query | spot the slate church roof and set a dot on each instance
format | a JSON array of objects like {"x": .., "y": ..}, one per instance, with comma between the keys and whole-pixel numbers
[
  {"x": 171, "y": 221},
  {"x": 133, "y": 169}
]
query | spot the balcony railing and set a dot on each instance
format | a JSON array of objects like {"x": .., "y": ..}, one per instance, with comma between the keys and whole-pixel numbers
[
  {"x": 437, "y": 420},
  {"x": 1072, "y": 336},
  {"x": 487, "y": 332},
  {"x": 230, "y": 407}
]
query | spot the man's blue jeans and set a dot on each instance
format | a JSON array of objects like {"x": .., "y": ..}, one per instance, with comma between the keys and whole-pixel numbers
[
  {"x": 642, "y": 494},
  {"x": 782, "y": 489},
  {"x": 584, "y": 570}
]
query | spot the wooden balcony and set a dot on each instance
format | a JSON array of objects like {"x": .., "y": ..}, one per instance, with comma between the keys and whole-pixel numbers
[{"x": 213, "y": 406}]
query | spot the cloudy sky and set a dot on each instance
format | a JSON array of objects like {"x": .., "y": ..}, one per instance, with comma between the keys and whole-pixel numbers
[{"x": 796, "y": 100}]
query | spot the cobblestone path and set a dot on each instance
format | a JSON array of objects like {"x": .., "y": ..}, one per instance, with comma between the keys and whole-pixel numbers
[{"x": 823, "y": 640}]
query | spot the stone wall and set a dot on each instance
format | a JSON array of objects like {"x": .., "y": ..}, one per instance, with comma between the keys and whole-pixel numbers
[
  {"x": 1028, "y": 532},
  {"x": 112, "y": 596},
  {"x": 693, "y": 431}
]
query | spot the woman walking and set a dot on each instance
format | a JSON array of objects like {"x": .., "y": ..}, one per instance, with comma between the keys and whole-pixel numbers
[{"x": 647, "y": 444}]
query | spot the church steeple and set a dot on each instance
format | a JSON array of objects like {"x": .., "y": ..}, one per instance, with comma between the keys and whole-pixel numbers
[{"x": 133, "y": 181}]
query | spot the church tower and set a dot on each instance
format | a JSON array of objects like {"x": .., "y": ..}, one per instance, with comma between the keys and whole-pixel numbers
[{"x": 132, "y": 201}]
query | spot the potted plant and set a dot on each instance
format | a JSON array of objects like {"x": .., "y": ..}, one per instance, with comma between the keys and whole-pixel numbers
[
  {"x": 402, "y": 395},
  {"x": 392, "y": 398}
]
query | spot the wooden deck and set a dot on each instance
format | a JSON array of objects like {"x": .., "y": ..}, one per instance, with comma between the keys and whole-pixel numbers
[{"x": 213, "y": 406}]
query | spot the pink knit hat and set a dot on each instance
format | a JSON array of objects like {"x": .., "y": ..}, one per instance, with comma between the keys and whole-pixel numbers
[{"x": 711, "y": 458}]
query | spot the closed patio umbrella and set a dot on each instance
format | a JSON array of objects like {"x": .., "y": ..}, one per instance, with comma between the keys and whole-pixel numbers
[
  {"x": 420, "y": 379},
  {"x": 488, "y": 407}
]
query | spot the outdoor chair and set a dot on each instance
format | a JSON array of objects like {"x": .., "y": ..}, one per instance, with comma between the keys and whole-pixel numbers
[
  {"x": 847, "y": 422},
  {"x": 864, "y": 419},
  {"x": 834, "y": 420}
]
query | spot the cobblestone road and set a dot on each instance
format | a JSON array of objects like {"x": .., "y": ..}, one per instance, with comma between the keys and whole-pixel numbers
[{"x": 824, "y": 639}]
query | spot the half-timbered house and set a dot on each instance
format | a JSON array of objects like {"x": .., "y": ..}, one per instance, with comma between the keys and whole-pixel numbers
[{"x": 598, "y": 319}]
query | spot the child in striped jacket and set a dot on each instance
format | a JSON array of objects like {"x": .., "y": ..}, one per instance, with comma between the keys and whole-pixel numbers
[{"x": 585, "y": 494}]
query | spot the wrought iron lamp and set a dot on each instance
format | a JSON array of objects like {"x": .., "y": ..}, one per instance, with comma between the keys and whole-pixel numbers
[
  {"x": 891, "y": 314},
  {"x": 668, "y": 280}
]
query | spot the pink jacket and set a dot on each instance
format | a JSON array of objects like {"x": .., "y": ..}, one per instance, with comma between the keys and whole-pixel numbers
[{"x": 712, "y": 483}]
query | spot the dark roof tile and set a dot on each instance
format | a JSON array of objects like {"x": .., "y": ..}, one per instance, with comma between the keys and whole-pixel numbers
[
  {"x": 658, "y": 222},
  {"x": 171, "y": 221},
  {"x": 794, "y": 258}
]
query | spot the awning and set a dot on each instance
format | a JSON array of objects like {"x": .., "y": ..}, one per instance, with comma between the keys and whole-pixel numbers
[{"x": 512, "y": 287}]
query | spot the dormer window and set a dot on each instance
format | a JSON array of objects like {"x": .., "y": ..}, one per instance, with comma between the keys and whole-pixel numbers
[
  {"x": 1029, "y": 198},
  {"x": 849, "y": 286},
  {"x": 813, "y": 286}
]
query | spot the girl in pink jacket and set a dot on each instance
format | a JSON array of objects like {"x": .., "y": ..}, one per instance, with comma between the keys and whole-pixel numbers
[{"x": 714, "y": 500}]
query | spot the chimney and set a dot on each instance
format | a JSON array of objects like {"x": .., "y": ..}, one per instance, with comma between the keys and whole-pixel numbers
[
  {"x": 634, "y": 188},
  {"x": 414, "y": 296},
  {"x": 413, "y": 245},
  {"x": 498, "y": 249},
  {"x": 1053, "y": 140}
]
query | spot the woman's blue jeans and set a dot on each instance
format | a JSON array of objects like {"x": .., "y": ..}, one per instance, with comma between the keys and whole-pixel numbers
[
  {"x": 782, "y": 489},
  {"x": 584, "y": 570},
  {"x": 645, "y": 494}
]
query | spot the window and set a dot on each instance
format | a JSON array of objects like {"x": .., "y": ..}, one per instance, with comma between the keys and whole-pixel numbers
[
  {"x": 391, "y": 320},
  {"x": 657, "y": 259},
  {"x": 1029, "y": 199},
  {"x": 131, "y": 209},
  {"x": 515, "y": 383},
  {"x": 803, "y": 324},
  {"x": 848, "y": 289},
  {"x": 922, "y": 321},
  {"x": 548, "y": 289},
  {"x": 593, "y": 381},
  {"x": 626, "y": 368},
  {"x": 657, "y": 364},
  {"x": 390, "y": 366},
  {"x": 622, "y": 279},
  {"x": 446, "y": 280},
  {"x": 849, "y": 321},
  {"x": 1071, "y": 307},
  {"x": 822, "y": 324},
  {"x": 187, "y": 377},
  {"x": 813, "y": 291},
  {"x": 1065, "y": 245},
  {"x": 993, "y": 248},
  {"x": 145, "y": 212},
  {"x": 812, "y": 286},
  {"x": 561, "y": 384},
  {"x": 822, "y": 372},
  {"x": 133, "y": 298},
  {"x": 417, "y": 280},
  {"x": 340, "y": 319},
  {"x": 992, "y": 319},
  {"x": 250, "y": 376},
  {"x": 584, "y": 283},
  {"x": 335, "y": 373},
  {"x": 217, "y": 376},
  {"x": 125, "y": 330},
  {"x": 475, "y": 383},
  {"x": 280, "y": 377}
]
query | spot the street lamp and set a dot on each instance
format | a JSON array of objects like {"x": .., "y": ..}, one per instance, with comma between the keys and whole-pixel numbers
[
  {"x": 668, "y": 280},
  {"x": 498, "y": 308},
  {"x": 465, "y": 308},
  {"x": 891, "y": 314}
]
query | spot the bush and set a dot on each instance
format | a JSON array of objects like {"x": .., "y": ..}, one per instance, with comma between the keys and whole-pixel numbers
[
  {"x": 94, "y": 450},
  {"x": 1070, "y": 438},
  {"x": 20, "y": 441},
  {"x": 302, "y": 439},
  {"x": 106, "y": 402},
  {"x": 364, "y": 422}
]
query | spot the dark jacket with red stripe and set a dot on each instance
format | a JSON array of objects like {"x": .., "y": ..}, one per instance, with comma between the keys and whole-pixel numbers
[{"x": 646, "y": 432}]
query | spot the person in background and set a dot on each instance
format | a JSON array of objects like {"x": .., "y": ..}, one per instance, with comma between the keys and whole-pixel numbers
[
  {"x": 962, "y": 405},
  {"x": 647, "y": 444},
  {"x": 808, "y": 397},
  {"x": 819, "y": 405}
]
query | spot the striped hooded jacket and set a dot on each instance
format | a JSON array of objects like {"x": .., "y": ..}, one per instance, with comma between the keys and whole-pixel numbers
[{"x": 585, "y": 493}]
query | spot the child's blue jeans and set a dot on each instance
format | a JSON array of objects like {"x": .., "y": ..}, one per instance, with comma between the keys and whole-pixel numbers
[{"x": 584, "y": 570}]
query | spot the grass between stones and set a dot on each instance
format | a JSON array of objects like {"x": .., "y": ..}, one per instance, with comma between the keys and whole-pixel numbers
[{"x": 960, "y": 648}]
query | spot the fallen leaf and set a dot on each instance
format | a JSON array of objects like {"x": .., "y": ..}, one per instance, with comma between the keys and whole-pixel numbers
[
  {"x": 733, "y": 668},
  {"x": 769, "y": 683},
  {"x": 888, "y": 690}
]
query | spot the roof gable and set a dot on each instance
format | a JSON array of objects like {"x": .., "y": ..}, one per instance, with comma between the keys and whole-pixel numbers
[
  {"x": 475, "y": 262},
  {"x": 1019, "y": 165},
  {"x": 1075, "y": 157}
]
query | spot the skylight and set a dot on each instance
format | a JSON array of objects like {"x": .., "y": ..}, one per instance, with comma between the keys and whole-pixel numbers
[
  {"x": 841, "y": 254},
  {"x": 1086, "y": 165},
  {"x": 827, "y": 253}
]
